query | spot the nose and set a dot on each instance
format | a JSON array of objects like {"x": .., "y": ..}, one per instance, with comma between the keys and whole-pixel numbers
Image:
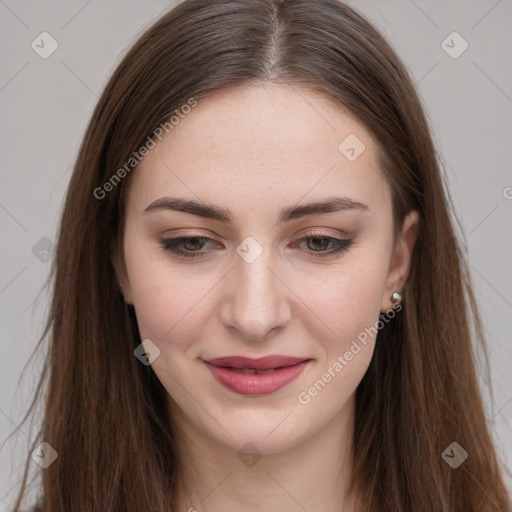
[{"x": 256, "y": 299}]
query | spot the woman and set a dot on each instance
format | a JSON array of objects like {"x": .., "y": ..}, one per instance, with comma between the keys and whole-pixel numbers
[{"x": 260, "y": 302}]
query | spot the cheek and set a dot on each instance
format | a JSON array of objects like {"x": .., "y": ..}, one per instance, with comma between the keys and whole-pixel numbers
[
  {"x": 168, "y": 308},
  {"x": 348, "y": 307},
  {"x": 161, "y": 301},
  {"x": 348, "y": 302},
  {"x": 174, "y": 303}
]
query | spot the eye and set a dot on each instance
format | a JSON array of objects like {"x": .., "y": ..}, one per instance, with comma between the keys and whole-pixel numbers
[
  {"x": 196, "y": 242},
  {"x": 320, "y": 241},
  {"x": 191, "y": 247}
]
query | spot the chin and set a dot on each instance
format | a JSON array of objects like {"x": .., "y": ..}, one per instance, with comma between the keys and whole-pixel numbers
[{"x": 262, "y": 436}]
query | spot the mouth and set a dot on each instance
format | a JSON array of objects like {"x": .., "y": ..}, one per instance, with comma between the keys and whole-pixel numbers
[{"x": 262, "y": 376}]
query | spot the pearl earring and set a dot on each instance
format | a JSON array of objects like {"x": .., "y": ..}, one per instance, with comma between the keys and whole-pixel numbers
[{"x": 396, "y": 298}]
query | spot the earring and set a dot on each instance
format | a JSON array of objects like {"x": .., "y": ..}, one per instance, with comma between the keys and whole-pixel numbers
[{"x": 396, "y": 298}]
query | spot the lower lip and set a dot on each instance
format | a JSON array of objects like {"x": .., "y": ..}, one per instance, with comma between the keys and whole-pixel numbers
[{"x": 253, "y": 383}]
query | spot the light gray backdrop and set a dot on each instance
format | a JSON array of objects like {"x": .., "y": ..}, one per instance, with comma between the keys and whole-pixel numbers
[{"x": 47, "y": 98}]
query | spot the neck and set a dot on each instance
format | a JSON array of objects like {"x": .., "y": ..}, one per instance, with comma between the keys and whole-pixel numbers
[{"x": 313, "y": 475}]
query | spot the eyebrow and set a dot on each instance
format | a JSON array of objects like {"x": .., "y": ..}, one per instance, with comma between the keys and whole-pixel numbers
[{"x": 209, "y": 211}]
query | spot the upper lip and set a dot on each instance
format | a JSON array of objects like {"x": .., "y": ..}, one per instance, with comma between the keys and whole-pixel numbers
[{"x": 263, "y": 363}]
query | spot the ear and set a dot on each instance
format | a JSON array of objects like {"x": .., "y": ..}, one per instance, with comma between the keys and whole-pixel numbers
[
  {"x": 121, "y": 276},
  {"x": 400, "y": 265}
]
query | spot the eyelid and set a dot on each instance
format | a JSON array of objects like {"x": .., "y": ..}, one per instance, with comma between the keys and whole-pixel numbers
[
  {"x": 310, "y": 232},
  {"x": 325, "y": 232}
]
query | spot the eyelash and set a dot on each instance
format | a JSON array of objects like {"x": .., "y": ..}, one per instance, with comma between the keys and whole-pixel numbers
[{"x": 169, "y": 244}]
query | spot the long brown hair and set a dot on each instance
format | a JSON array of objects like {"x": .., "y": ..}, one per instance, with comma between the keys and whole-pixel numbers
[{"x": 105, "y": 412}]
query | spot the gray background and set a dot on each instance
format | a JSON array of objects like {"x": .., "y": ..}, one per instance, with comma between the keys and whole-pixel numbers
[{"x": 46, "y": 103}]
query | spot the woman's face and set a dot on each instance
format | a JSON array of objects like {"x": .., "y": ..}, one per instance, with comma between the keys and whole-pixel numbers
[{"x": 276, "y": 278}]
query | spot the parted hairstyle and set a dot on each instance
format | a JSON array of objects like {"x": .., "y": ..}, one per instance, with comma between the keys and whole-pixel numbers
[{"x": 105, "y": 413}]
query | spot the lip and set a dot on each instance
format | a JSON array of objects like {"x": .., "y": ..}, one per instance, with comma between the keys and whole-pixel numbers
[{"x": 226, "y": 371}]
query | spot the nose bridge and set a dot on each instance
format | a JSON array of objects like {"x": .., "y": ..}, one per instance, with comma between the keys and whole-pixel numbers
[{"x": 255, "y": 303}]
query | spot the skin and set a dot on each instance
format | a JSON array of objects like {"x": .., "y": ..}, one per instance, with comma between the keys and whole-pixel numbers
[{"x": 255, "y": 151}]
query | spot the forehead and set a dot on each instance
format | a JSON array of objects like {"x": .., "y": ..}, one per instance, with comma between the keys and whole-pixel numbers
[{"x": 273, "y": 144}]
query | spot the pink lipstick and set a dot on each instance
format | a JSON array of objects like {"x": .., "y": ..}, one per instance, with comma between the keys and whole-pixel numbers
[{"x": 256, "y": 376}]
